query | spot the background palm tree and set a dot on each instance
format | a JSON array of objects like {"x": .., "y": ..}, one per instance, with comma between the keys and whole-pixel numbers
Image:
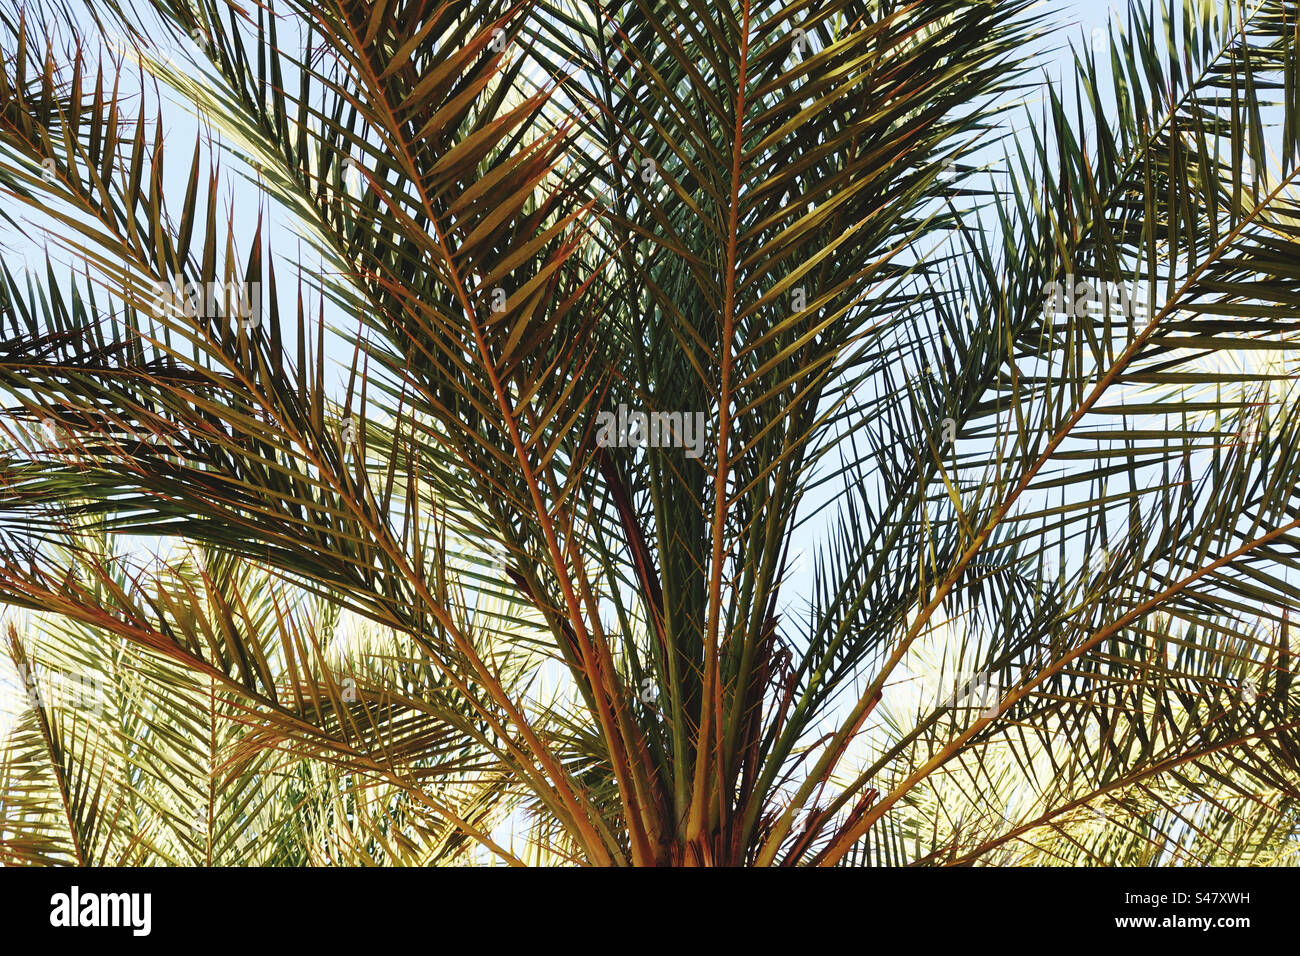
[
  {"x": 980, "y": 346},
  {"x": 120, "y": 756}
]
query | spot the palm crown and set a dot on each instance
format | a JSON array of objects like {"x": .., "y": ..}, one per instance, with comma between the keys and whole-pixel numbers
[{"x": 769, "y": 433}]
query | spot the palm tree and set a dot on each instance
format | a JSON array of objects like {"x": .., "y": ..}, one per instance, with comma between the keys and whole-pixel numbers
[
  {"x": 125, "y": 757},
  {"x": 767, "y": 433}
]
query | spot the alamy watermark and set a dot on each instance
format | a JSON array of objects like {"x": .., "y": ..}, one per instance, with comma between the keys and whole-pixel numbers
[
  {"x": 241, "y": 302},
  {"x": 629, "y": 428},
  {"x": 963, "y": 691},
  {"x": 77, "y": 909},
  {"x": 50, "y": 688},
  {"x": 1088, "y": 297}
]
